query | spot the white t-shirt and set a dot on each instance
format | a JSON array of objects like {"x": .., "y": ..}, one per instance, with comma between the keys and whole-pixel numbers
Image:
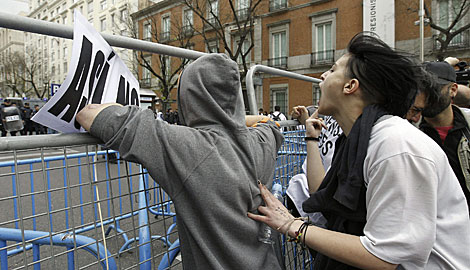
[
  {"x": 279, "y": 114},
  {"x": 417, "y": 215}
]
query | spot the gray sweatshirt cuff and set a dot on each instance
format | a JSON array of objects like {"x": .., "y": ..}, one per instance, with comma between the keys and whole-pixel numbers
[{"x": 101, "y": 125}]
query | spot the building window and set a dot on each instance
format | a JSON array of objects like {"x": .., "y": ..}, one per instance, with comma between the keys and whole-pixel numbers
[
  {"x": 103, "y": 4},
  {"x": 103, "y": 24},
  {"x": 244, "y": 49},
  {"x": 213, "y": 12},
  {"x": 90, "y": 7},
  {"x": 323, "y": 38},
  {"x": 279, "y": 50},
  {"x": 64, "y": 53},
  {"x": 165, "y": 35},
  {"x": 167, "y": 67},
  {"x": 187, "y": 21},
  {"x": 146, "y": 77},
  {"x": 123, "y": 15},
  {"x": 275, "y": 5},
  {"x": 315, "y": 94},
  {"x": 448, "y": 10},
  {"x": 324, "y": 43},
  {"x": 243, "y": 9},
  {"x": 279, "y": 98},
  {"x": 212, "y": 46},
  {"x": 147, "y": 32}
]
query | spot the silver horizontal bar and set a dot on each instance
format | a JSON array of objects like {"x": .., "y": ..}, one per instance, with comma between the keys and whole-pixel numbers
[
  {"x": 26, "y": 24},
  {"x": 47, "y": 140},
  {"x": 269, "y": 70}
]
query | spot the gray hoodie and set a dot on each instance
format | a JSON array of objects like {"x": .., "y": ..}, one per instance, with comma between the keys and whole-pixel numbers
[{"x": 209, "y": 167}]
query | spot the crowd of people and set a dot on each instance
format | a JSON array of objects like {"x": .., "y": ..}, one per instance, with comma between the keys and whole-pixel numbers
[
  {"x": 25, "y": 113},
  {"x": 379, "y": 193}
]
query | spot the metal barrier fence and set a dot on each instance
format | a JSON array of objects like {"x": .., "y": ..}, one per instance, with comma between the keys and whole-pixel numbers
[
  {"x": 72, "y": 206},
  {"x": 76, "y": 207},
  {"x": 66, "y": 204}
]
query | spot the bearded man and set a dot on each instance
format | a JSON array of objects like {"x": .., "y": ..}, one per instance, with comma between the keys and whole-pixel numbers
[{"x": 447, "y": 124}]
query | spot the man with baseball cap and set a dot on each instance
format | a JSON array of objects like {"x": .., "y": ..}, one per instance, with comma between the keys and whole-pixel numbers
[{"x": 447, "y": 124}]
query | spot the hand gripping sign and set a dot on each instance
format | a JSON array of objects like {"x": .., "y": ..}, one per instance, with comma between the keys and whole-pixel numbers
[{"x": 96, "y": 75}]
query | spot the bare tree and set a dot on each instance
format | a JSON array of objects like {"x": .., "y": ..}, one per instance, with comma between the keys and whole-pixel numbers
[
  {"x": 450, "y": 26},
  {"x": 166, "y": 70},
  {"x": 32, "y": 73},
  {"x": 458, "y": 11},
  {"x": 12, "y": 75},
  {"x": 217, "y": 17}
]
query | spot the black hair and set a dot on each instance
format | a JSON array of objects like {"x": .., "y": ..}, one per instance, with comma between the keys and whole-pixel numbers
[
  {"x": 387, "y": 77},
  {"x": 277, "y": 108},
  {"x": 429, "y": 85}
]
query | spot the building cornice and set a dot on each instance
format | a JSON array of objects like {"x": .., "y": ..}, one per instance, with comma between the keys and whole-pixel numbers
[
  {"x": 53, "y": 4},
  {"x": 156, "y": 8},
  {"x": 274, "y": 24},
  {"x": 311, "y": 3},
  {"x": 323, "y": 12},
  {"x": 37, "y": 9}
]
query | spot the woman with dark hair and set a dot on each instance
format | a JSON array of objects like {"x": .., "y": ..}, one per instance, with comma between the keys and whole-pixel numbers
[{"x": 390, "y": 198}]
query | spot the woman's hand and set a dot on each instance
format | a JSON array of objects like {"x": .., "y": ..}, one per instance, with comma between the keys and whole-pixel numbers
[
  {"x": 300, "y": 113},
  {"x": 313, "y": 125},
  {"x": 275, "y": 213}
]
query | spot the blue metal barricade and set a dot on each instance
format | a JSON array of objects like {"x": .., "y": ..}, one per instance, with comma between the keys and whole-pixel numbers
[{"x": 67, "y": 211}]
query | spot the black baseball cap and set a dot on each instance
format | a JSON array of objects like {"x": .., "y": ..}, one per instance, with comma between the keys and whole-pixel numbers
[{"x": 444, "y": 71}]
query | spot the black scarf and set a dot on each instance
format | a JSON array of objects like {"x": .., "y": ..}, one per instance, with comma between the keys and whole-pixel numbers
[{"x": 342, "y": 194}]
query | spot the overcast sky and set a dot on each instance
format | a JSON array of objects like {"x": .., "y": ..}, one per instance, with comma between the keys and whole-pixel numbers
[{"x": 14, "y": 6}]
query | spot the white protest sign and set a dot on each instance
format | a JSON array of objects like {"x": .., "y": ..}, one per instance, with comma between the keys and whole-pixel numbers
[
  {"x": 96, "y": 75},
  {"x": 379, "y": 18}
]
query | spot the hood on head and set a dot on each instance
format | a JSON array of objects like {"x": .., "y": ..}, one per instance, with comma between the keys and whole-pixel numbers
[{"x": 209, "y": 93}]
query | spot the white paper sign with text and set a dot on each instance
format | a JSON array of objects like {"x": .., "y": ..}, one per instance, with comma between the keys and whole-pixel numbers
[
  {"x": 96, "y": 75},
  {"x": 379, "y": 18}
]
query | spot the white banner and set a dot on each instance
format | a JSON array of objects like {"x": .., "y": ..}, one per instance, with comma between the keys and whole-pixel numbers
[
  {"x": 379, "y": 18},
  {"x": 96, "y": 75}
]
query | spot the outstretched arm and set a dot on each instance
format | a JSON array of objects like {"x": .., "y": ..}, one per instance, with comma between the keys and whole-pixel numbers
[
  {"x": 342, "y": 247},
  {"x": 88, "y": 114}
]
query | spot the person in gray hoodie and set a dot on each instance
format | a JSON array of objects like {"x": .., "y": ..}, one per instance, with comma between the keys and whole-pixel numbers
[{"x": 209, "y": 166}]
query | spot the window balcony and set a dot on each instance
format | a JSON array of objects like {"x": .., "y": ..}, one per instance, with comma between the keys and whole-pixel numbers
[
  {"x": 278, "y": 62},
  {"x": 164, "y": 36},
  {"x": 145, "y": 82},
  {"x": 275, "y": 5},
  {"x": 187, "y": 30},
  {"x": 322, "y": 58},
  {"x": 461, "y": 41}
]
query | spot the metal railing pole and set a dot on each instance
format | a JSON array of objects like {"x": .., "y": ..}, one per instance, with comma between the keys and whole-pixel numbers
[
  {"x": 274, "y": 71},
  {"x": 26, "y": 24},
  {"x": 49, "y": 140}
]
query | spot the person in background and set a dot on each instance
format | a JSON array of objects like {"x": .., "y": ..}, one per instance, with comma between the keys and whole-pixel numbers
[
  {"x": 390, "y": 198},
  {"x": 462, "y": 97},
  {"x": 26, "y": 114},
  {"x": 7, "y": 103},
  {"x": 38, "y": 128},
  {"x": 277, "y": 115},
  {"x": 447, "y": 124},
  {"x": 209, "y": 165}
]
